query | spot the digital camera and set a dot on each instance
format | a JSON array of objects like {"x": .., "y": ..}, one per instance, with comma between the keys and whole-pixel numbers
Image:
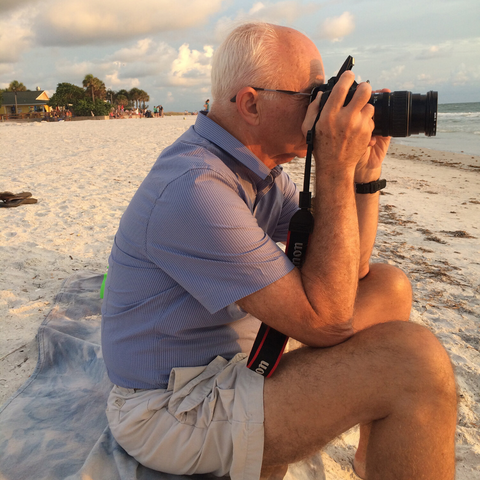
[{"x": 397, "y": 114}]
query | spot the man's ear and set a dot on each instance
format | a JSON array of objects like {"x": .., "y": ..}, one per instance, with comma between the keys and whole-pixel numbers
[{"x": 247, "y": 99}]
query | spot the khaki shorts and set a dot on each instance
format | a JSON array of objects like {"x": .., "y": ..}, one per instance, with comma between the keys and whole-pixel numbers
[{"x": 208, "y": 420}]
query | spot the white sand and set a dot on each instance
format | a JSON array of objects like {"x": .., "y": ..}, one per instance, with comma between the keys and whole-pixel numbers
[{"x": 84, "y": 174}]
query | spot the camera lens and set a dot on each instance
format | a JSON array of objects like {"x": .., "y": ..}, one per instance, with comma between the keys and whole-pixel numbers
[{"x": 401, "y": 114}]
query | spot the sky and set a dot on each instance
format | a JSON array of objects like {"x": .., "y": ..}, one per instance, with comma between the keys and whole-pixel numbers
[{"x": 165, "y": 47}]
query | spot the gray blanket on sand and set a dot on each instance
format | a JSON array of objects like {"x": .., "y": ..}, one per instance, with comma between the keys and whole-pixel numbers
[{"x": 54, "y": 427}]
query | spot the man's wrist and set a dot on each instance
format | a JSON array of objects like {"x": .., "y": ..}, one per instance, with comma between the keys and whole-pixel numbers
[
  {"x": 367, "y": 175},
  {"x": 370, "y": 187}
]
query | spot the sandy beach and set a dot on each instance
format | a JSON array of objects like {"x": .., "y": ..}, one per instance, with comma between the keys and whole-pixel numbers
[{"x": 85, "y": 173}]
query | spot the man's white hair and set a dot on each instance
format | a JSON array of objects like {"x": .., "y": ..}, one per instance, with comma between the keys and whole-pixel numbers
[{"x": 248, "y": 57}]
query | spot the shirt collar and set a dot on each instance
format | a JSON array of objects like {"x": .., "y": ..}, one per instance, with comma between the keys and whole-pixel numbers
[{"x": 213, "y": 132}]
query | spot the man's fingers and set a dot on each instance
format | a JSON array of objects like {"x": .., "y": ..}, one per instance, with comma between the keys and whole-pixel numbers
[
  {"x": 339, "y": 92},
  {"x": 311, "y": 115},
  {"x": 361, "y": 97}
]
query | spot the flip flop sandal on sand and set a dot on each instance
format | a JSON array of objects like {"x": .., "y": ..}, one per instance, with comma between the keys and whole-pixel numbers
[
  {"x": 14, "y": 196},
  {"x": 17, "y": 201}
]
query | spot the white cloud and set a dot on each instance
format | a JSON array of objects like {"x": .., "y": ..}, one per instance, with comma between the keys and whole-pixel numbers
[
  {"x": 464, "y": 74},
  {"x": 113, "y": 74},
  {"x": 191, "y": 67},
  {"x": 154, "y": 57},
  {"x": 13, "y": 42},
  {"x": 112, "y": 81},
  {"x": 133, "y": 54},
  {"x": 424, "y": 77},
  {"x": 286, "y": 11},
  {"x": 15, "y": 38},
  {"x": 408, "y": 85},
  {"x": 435, "y": 51},
  {"x": 393, "y": 73},
  {"x": 75, "y": 72},
  {"x": 11, "y": 5},
  {"x": 82, "y": 22},
  {"x": 335, "y": 28}
]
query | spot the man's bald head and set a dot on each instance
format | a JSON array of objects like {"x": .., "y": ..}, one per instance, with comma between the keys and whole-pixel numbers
[{"x": 257, "y": 54}]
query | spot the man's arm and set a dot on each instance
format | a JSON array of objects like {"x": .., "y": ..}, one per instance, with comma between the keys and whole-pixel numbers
[
  {"x": 315, "y": 305},
  {"x": 368, "y": 170},
  {"x": 367, "y": 212}
]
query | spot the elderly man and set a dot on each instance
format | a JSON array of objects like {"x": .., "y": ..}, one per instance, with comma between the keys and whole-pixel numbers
[{"x": 195, "y": 267}]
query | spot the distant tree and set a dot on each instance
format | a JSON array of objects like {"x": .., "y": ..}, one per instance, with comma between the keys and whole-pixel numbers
[
  {"x": 123, "y": 92},
  {"x": 66, "y": 94},
  {"x": 144, "y": 97},
  {"x": 111, "y": 96},
  {"x": 16, "y": 86},
  {"x": 85, "y": 107},
  {"x": 94, "y": 87},
  {"x": 89, "y": 84},
  {"x": 1, "y": 98},
  {"x": 134, "y": 95},
  {"x": 126, "y": 94},
  {"x": 121, "y": 100}
]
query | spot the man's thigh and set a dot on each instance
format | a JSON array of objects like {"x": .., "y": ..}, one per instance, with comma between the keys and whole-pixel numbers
[{"x": 317, "y": 394}]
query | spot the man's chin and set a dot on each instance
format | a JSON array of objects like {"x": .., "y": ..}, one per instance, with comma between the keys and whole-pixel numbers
[{"x": 288, "y": 157}]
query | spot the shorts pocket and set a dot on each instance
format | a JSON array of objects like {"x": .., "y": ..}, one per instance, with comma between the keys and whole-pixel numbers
[{"x": 194, "y": 402}]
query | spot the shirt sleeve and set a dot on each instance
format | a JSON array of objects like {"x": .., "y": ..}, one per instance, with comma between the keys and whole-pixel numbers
[
  {"x": 289, "y": 207},
  {"x": 202, "y": 234}
]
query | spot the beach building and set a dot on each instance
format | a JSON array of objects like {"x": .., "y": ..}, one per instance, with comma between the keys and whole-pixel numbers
[{"x": 25, "y": 103}]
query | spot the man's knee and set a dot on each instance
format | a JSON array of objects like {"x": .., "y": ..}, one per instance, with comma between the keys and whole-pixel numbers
[
  {"x": 395, "y": 286},
  {"x": 420, "y": 362},
  {"x": 392, "y": 278}
]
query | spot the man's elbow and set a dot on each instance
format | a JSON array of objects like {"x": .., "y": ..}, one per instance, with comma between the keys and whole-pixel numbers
[{"x": 332, "y": 334}]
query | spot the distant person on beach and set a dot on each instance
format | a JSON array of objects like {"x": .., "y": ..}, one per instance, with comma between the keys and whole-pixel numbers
[
  {"x": 195, "y": 268},
  {"x": 160, "y": 111},
  {"x": 206, "y": 106}
]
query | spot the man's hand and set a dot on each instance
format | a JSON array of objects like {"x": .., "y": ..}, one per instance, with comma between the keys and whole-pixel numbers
[
  {"x": 342, "y": 133},
  {"x": 370, "y": 165}
]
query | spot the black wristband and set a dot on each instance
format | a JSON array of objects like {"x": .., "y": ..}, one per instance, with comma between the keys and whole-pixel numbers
[{"x": 370, "y": 187}]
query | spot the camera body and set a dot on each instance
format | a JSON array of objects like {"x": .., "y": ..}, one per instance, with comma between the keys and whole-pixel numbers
[{"x": 397, "y": 114}]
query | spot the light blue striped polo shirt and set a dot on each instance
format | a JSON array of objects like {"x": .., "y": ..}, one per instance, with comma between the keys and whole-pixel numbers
[{"x": 199, "y": 234}]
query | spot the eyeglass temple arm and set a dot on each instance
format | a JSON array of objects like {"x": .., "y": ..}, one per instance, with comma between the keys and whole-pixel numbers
[{"x": 258, "y": 89}]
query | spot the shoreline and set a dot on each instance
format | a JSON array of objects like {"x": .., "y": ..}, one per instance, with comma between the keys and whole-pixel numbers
[
  {"x": 84, "y": 174},
  {"x": 438, "y": 157}
]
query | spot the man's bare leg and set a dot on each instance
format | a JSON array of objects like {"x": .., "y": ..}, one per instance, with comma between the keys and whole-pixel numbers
[
  {"x": 395, "y": 376},
  {"x": 384, "y": 295},
  {"x": 274, "y": 473},
  {"x": 360, "y": 459}
]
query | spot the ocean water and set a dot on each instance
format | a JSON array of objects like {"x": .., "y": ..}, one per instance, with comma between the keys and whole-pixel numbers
[{"x": 458, "y": 130}]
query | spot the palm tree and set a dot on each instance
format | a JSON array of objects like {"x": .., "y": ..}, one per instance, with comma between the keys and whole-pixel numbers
[
  {"x": 122, "y": 100},
  {"x": 95, "y": 86},
  {"x": 101, "y": 90},
  {"x": 88, "y": 83},
  {"x": 16, "y": 86},
  {"x": 125, "y": 95},
  {"x": 111, "y": 96},
  {"x": 144, "y": 97},
  {"x": 134, "y": 95}
]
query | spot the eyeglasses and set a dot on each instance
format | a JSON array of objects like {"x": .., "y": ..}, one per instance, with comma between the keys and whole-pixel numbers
[{"x": 288, "y": 92}]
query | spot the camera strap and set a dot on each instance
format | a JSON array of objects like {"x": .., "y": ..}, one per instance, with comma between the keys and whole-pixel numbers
[{"x": 270, "y": 344}]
